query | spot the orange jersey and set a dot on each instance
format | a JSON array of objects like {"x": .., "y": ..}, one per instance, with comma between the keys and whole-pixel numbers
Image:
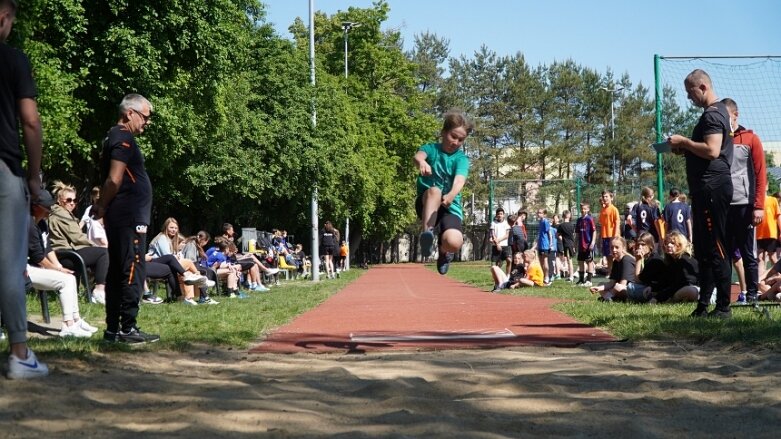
[
  {"x": 768, "y": 228},
  {"x": 608, "y": 218}
]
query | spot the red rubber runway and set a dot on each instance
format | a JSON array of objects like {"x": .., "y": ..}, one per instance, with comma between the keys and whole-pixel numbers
[{"x": 408, "y": 306}]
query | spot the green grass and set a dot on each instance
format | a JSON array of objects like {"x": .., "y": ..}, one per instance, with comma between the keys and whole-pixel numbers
[
  {"x": 234, "y": 323},
  {"x": 639, "y": 321}
]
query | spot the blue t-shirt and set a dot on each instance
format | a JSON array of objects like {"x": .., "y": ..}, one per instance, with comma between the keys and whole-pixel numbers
[
  {"x": 644, "y": 216},
  {"x": 216, "y": 257},
  {"x": 543, "y": 239},
  {"x": 676, "y": 216},
  {"x": 444, "y": 169}
]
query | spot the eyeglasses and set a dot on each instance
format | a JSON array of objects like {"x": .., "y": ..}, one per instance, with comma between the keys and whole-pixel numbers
[
  {"x": 146, "y": 117},
  {"x": 69, "y": 200}
]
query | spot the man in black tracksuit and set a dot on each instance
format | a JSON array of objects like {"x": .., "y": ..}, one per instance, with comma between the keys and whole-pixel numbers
[
  {"x": 708, "y": 157},
  {"x": 126, "y": 205}
]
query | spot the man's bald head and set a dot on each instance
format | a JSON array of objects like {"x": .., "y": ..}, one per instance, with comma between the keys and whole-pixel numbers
[{"x": 699, "y": 76}]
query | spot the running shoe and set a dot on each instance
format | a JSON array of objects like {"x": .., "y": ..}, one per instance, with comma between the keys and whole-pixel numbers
[
  {"x": 136, "y": 336},
  {"x": 426, "y": 243},
  {"x": 30, "y": 367},
  {"x": 151, "y": 299},
  {"x": 194, "y": 279},
  {"x": 443, "y": 262}
]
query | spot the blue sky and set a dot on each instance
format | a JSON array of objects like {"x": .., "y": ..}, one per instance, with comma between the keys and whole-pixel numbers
[{"x": 601, "y": 34}]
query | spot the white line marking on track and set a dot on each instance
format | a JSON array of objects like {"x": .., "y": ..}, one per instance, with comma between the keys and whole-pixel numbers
[{"x": 433, "y": 336}]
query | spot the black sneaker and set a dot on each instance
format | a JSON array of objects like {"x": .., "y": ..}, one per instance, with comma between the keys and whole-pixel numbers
[
  {"x": 443, "y": 262},
  {"x": 136, "y": 336},
  {"x": 752, "y": 297},
  {"x": 426, "y": 240},
  {"x": 110, "y": 337},
  {"x": 700, "y": 311},
  {"x": 723, "y": 314}
]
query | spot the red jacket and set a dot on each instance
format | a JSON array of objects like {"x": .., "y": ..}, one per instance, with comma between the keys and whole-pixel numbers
[{"x": 742, "y": 136}]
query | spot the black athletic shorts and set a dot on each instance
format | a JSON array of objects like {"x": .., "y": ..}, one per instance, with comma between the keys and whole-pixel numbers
[
  {"x": 445, "y": 219},
  {"x": 586, "y": 255},
  {"x": 569, "y": 250},
  {"x": 767, "y": 244},
  {"x": 501, "y": 255}
]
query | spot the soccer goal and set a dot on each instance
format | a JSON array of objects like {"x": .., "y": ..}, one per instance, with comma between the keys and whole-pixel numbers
[{"x": 754, "y": 82}]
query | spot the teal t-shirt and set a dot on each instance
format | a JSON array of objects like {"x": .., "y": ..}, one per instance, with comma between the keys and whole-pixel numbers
[{"x": 444, "y": 168}]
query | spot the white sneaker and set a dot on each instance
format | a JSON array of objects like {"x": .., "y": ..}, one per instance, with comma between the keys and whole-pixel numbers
[
  {"x": 98, "y": 297},
  {"x": 74, "y": 331},
  {"x": 194, "y": 279},
  {"x": 86, "y": 326},
  {"x": 30, "y": 367},
  {"x": 190, "y": 301},
  {"x": 209, "y": 283},
  {"x": 587, "y": 283},
  {"x": 272, "y": 271}
]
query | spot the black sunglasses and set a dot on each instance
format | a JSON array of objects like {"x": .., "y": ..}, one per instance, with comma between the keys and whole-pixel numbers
[{"x": 144, "y": 116}]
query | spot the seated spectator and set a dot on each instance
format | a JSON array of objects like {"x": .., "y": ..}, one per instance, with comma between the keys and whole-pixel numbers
[
  {"x": 162, "y": 249},
  {"x": 46, "y": 272},
  {"x": 621, "y": 274},
  {"x": 95, "y": 230},
  {"x": 681, "y": 271},
  {"x": 300, "y": 258},
  {"x": 218, "y": 258},
  {"x": 770, "y": 286},
  {"x": 280, "y": 247},
  {"x": 247, "y": 260},
  {"x": 534, "y": 273},
  {"x": 66, "y": 234},
  {"x": 194, "y": 250},
  {"x": 649, "y": 269},
  {"x": 251, "y": 266},
  {"x": 513, "y": 280}
]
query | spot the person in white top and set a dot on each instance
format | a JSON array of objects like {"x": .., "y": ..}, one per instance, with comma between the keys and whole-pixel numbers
[
  {"x": 95, "y": 230},
  {"x": 500, "y": 250}
]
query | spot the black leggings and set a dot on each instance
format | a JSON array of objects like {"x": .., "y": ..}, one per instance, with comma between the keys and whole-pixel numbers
[
  {"x": 155, "y": 270},
  {"x": 95, "y": 258}
]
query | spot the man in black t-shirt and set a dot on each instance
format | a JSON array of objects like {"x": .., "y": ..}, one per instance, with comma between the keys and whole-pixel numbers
[
  {"x": 708, "y": 156},
  {"x": 125, "y": 204},
  {"x": 17, "y": 103}
]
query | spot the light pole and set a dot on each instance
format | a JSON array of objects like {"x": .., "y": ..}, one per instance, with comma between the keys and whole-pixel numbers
[
  {"x": 613, "y": 91},
  {"x": 347, "y": 26},
  {"x": 313, "y": 204}
]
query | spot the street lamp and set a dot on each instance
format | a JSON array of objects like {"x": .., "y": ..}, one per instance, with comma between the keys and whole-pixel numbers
[
  {"x": 347, "y": 26},
  {"x": 613, "y": 91}
]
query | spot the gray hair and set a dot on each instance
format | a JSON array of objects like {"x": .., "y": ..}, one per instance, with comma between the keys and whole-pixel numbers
[
  {"x": 133, "y": 101},
  {"x": 12, "y": 5}
]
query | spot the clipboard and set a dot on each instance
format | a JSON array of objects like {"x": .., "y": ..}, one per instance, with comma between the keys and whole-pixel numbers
[{"x": 661, "y": 147}]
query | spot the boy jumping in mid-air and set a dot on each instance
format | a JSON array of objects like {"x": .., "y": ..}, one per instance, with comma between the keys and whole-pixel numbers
[{"x": 443, "y": 170}]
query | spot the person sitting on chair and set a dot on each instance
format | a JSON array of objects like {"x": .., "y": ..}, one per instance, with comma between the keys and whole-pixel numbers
[
  {"x": 47, "y": 273},
  {"x": 66, "y": 234}
]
